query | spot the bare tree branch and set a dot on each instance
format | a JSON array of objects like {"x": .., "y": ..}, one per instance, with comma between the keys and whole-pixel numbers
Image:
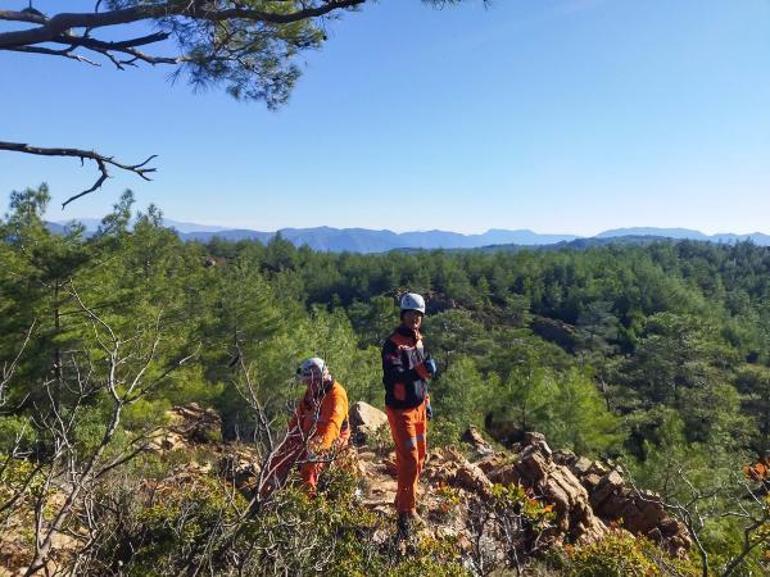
[
  {"x": 10, "y": 368},
  {"x": 102, "y": 162},
  {"x": 695, "y": 518}
]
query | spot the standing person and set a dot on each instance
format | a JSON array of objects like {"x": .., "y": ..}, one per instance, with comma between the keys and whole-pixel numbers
[
  {"x": 318, "y": 427},
  {"x": 406, "y": 372}
]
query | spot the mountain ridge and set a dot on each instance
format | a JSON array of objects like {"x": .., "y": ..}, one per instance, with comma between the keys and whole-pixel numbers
[{"x": 363, "y": 240}]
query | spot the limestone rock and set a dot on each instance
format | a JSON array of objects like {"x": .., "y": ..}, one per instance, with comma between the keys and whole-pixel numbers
[{"x": 365, "y": 420}]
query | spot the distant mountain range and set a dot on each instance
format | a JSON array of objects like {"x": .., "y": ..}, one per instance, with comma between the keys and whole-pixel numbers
[{"x": 364, "y": 240}]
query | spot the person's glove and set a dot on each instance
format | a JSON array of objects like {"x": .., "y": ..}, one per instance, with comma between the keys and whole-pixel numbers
[
  {"x": 427, "y": 369},
  {"x": 429, "y": 410},
  {"x": 432, "y": 367}
]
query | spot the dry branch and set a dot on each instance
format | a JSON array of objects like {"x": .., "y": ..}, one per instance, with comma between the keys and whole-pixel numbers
[{"x": 102, "y": 162}]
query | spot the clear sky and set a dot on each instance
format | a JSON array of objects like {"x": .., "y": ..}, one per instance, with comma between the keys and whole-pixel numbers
[{"x": 569, "y": 116}]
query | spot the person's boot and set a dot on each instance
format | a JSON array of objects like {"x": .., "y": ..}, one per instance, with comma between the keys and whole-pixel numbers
[
  {"x": 416, "y": 521},
  {"x": 404, "y": 525}
]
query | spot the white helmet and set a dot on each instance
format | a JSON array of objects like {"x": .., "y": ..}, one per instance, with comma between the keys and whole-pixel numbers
[
  {"x": 312, "y": 366},
  {"x": 412, "y": 302}
]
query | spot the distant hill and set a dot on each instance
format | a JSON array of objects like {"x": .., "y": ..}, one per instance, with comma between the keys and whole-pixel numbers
[
  {"x": 367, "y": 241},
  {"x": 577, "y": 244},
  {"x": 92, "y": 225},
  {"x": 362, "y": 240},
  {"x": 757, "y": 238},
  {"x": 675, "y": 233}
]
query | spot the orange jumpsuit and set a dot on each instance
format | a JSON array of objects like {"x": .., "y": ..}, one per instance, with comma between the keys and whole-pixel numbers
[
  {"x": 319, "y": 423},
  {"x": 406, "y": 397}
]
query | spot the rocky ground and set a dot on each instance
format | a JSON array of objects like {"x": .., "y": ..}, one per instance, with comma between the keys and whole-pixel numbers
[
  {"x": 588, "y": 497},
  {"x": 584, "y": 499}
]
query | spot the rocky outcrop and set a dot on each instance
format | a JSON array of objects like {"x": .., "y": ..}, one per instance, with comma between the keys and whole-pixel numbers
[
  {"x": 535, "y": 469},
  {"x": 457, "y": 496},
  {"x": 479, "y": 445},
  {"x": 618, "y": 503},
  {"x": 188, "y": 425},
  {"x": 450, "y": 467}
]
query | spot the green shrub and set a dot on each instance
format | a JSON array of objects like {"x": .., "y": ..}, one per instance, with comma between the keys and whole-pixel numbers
[{"x": 620, "y": 554}]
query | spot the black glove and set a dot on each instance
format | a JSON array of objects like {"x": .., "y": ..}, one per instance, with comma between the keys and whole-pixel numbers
[
  {"x": 429, "y": 410},
  {"x": 432, "y": 367}
]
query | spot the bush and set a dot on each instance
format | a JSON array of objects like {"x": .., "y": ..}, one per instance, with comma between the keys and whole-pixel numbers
[{"x": 620, "y": 554}]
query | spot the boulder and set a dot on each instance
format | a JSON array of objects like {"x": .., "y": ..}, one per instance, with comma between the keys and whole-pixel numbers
[
  {"x": 365, "y": 420},
  {"x": 575, "y": 519},
  {"x": 505, "y": 475},
  {"x": 473, "y": 437},
  {"x": 608, "y": 486},
  {"x": 471, "y": 478},
  {"x": 492, "y": 462},
  {"x": 450, "y": 467}
]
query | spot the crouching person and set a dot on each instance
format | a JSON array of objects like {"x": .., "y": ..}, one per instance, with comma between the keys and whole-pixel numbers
[{"x": 317, "y": 430}]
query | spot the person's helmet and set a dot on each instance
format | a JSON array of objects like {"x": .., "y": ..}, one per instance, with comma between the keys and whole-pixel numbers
[
  {"x": 313, "y": 366},
  {"x": 412, "y": 302}
]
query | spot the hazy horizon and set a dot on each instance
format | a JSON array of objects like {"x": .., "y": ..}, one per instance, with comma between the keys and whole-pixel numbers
[{"x": 172, "y": 221}]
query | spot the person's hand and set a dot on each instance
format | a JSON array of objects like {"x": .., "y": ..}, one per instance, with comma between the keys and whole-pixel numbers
[
  {"x": 429, "y": 411},
  {"x": 432, "y": 367}
]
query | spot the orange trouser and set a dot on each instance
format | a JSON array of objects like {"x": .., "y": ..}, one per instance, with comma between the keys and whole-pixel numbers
[
  {"x": 310, "y": 471},
  {"x": 409, "y": 428},
  {"x": 295, "y": 449}
]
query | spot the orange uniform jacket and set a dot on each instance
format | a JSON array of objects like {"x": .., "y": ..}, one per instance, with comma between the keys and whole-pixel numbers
[{"x": 322, "y": 421}]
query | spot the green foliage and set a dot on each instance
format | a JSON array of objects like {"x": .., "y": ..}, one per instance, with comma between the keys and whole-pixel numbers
[
  {"x": 513, "y": 499},
  {"x": 144, "y": 414},
  {"x": 581, "y": 419},
  {"x": 19, "y": 477},
  {"x": 17, "y": 434},
  {"x": 461, "y": 399},
  {"x": 657, "y": 351},
  {"x": 620, "y": 554},
  {"x": 567, "y": 407}
]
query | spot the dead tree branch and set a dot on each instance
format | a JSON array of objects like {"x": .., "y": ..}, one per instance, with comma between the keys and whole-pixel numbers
[
  {"x": 10, "y": 368},
  {"x": 102, "y": 163},
  {"x": 73, "y": 473}
]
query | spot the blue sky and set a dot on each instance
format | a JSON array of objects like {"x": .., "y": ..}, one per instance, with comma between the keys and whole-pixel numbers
[{"x": 569, "y": 116}]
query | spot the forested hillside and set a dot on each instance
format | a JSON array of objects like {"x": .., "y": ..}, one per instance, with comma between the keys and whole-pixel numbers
[{"x": 654, "y": 357}]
